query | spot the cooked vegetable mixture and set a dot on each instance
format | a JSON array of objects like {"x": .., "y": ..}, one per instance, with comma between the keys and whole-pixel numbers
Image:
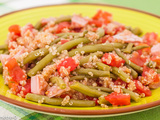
[{"x": 81, "y": 61}]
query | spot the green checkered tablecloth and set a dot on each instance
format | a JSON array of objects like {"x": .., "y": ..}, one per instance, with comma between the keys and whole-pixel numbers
[{"x": 10, "y": 112}]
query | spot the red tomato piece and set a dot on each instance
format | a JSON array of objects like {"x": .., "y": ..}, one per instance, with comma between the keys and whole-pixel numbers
[
  {"x": 103, "y": 16},
  {"x": 14, "y": 86},
  {"x": 156, "y": 59},
  {"x": 27, "y": 87},
  {"x": 15, "y": 29},
  {"x": 15, "y": 71},
  {"x": 137, "y": 59},
  {"x": 64, "y": 41},
  {"x": 61, "y": 26},
  {"x": 95, "y": 22},
  {"x": 113, "y": 60},
  {"x": 118, "y": 99},
  {"x": 68, "y": 63},
  {"x": 142, "y": 89},
  {"x": 150, "y": 38}
]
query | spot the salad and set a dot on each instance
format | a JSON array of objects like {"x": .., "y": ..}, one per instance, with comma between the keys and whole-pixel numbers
[{"x": 80, "y": 61}]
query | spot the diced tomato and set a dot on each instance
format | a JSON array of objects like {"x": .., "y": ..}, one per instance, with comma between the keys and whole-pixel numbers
[
  {"x": 112, "y": 59},
  {"x": 95, "y": 22},
  {"x": 120, "y": 82},
  {"x": 64, "y": 41},
  {"x": 150, "y": 38},
  {"x": 156, "y": 59},
  {"x": 150, "y": 75},
  {"x": 142, "y": 89},
  {"x": 138, "y": 59},
  {"x": 27, "y": 87},
  {"x": 15, "y": 29},
  {"x": 15, "y": 71},
  {"x": 62, "y": 25},
  {"x": 103, "y": 16},
  {"x": 68, "y": 63},
  {"x": 118, "y": 99},
  {"x": 106, "y": 38},
  {"x": 14, "y": 86}
]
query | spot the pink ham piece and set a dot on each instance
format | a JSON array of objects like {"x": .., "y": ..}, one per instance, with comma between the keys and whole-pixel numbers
[
  {"x": 38, "y": 85},
  {"x": 56, "y": 91},
  {"x": 155, "y": 50},
  {"x": 128, "y": 37},
  {"x": 79, "y": 20}
]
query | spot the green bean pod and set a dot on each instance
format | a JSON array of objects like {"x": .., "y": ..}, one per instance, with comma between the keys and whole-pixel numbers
[
  {"x": 58, "y": 101},
  {"x": 93, "y": 72},
  {"x": 102, "y": 89},
  {"x": 86, "y": 59},
  {"x": 128, "y": 49},
  {"x": 87, "y": 90},
  {"x": 100, "y": 32},
  {"x": 133, "y": 72},
  {"x": 140, "y": 47},
  {"x": 125, "y": 77},
  {"x": 134, "y": 66},
  {"x": 60, "y": 82},
  {"x": 4, "y": 47},
  {"x": 109, "y": 47},
  {"x": 133, "y": 95},
  {"x": 35, "y": 54},
  {"x": 102, "y": 100},
  {"x": 63, "y": 19},
  {"x": 80, "y": 77},
  {"x": 102, "y": 66}
]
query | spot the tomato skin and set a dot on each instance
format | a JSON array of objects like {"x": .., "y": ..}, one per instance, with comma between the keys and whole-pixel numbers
[
  {"x": 150, "y": 38},
  {"x": 68, "y": 63},
  {"x": 137, "y": 59},
  {"x": 102, "y": 16},
  {"x": 27, "y": 87},
  {"x": 95, "y": 22},
  {"x": 64, "y": 41},
  {"x": 155, "y": 59},
  {"x": 61, "y": 26},
  {"x": 15, "y": 71},
  {"x": 142, "y": 89},
  {"x": 118, "y": 99},
  {"x": 111, "y": 59},
  {"x": 15, "y": 29},
  {"x": 14, "y": 86}
]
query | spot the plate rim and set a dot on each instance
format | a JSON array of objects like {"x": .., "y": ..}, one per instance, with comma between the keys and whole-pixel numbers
[{"x": 71, "y": 112}]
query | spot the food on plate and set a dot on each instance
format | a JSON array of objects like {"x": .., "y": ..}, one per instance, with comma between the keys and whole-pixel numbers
[{"x": 81, "y": 61}]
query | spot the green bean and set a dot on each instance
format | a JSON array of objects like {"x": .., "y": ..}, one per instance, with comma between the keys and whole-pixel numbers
[
  {"x": 80, "y": 77},
  {"x": 58, "y": 39},
  {"x": 93, "y": 72},
  {"x": 133, "y": 95},
  {"x": 38, "y": 25},
  {"x": 133, "y": 72},
  {"x": 6, "y": 52},
  {"x": 102, "y": 66},
  {"x": 114, "y": 77},
  {"x": 4, "y": 47},
  {"x": 128, "y": 49},
  {"x": 63, "y": 19},
  {"x": 125, "y": 77},
  {"x": 94, "y": 48},
  {"x": 35, "y": 54},
  {"x": 1, "y": 69},
  {"x": 58, "y": 101},
  {"x": 102, "y": 89},
  {"x": 102, "y": 100},
  {"x": 151, "y": 64},
  {"x": 60, "y": 82},
  {"x": 86, "y": 90},
  {"x": 100, "y": 32},
  {"x": 134, "y": 66},
  {"x": 48, "y": 58},
  {"x": 87, "y": 58},
  {"x": 71, "y": 33},
  {"x": 139, "y": 47},
  {"x": 137, "y": 31}
]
